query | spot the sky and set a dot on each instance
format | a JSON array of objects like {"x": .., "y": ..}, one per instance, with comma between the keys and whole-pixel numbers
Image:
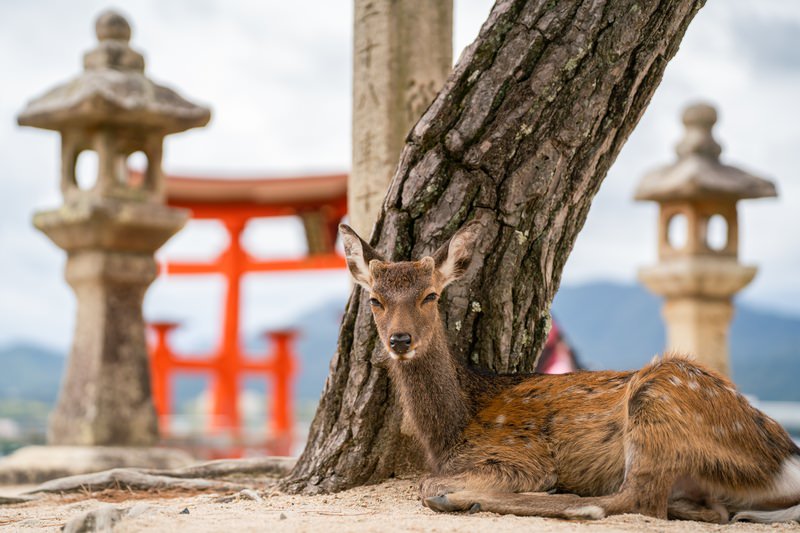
[{"x": 277, "y": 76}]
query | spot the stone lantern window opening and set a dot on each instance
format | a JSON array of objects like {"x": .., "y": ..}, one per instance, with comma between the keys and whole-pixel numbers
[
  {"x": 86, "y": 168},
  {"x": 677, "y": 228},
  {"x": 698, "y": 228},
  {"x": 135, "y": 169},
  {"x": 102, "y": 163},
  {"x": 716, "y": 231}
]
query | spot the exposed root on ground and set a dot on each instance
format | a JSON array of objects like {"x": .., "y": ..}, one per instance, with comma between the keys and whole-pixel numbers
[{"x": 244, "y": 474}]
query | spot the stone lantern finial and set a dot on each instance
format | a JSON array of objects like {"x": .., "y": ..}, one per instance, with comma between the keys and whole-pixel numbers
[
  {"x": 112, "y": 25},
  {"x": 113, "y": 33},
  {"x": 698, "y": 273},
  {"x": 110, "y": 231},
  {"x": 699, "y": 120}
]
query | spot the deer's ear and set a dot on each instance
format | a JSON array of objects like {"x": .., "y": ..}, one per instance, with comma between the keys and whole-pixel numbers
[
  {"x": 358, "y": 254},
  {"x": 453, "y": 258}
]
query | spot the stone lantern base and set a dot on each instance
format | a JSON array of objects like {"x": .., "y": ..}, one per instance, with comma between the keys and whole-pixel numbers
[{"x": 36, "y": 464}]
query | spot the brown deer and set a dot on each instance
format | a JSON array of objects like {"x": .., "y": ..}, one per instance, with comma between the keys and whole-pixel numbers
[{"x": 673, "y": 439}]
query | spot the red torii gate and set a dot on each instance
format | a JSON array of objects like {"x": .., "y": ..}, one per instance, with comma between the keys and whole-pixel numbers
[{"x": 321, "y": 202}]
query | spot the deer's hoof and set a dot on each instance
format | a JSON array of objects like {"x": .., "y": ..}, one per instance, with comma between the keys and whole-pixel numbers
[{"x": 443, "y": 504}]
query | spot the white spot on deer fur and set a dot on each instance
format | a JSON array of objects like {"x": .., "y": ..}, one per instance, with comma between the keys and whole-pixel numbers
[
  {"x": 500, "y": 420},
  {"x": 693, "y": 384},
  {"x": 476, "y": 307},
  {"x": 738, "y": 426},
  {"x": 675, "y": 380}
]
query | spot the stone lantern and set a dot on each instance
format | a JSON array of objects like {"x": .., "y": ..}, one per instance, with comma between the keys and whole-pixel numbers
[
  {"x": 698, "y": 240},
  {"x": 110, "y": 232}
]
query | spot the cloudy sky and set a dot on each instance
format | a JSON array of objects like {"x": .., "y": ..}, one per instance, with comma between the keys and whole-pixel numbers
[{"x": 277, "y": 75}]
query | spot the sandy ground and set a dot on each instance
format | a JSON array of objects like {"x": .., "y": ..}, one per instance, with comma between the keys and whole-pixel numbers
[{"x": 391, "y": 506}]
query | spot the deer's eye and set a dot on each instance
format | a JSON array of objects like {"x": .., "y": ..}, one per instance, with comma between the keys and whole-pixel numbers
[
  {"x": 375, "y": 303},
  {"x": 430, "y": 298}
]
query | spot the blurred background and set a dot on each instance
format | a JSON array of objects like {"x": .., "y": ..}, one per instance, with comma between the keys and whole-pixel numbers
[{"x": 278, "y": 78}]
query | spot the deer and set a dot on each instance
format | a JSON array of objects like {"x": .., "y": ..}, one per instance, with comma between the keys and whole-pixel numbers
[{"x": 673, "y": 440}]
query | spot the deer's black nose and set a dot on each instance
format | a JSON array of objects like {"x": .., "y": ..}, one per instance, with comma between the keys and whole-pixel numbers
[{"x": 400, "y": 342}]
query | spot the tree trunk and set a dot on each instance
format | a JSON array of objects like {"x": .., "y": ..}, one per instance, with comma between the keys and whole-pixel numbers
[{"x": 520, "y": 138}]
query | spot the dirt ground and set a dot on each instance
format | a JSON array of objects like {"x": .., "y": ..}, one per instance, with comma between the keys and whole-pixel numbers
[{"x": 391, "y": 506}]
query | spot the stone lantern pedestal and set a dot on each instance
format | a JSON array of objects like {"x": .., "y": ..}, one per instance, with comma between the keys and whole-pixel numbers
[
  {"x": 110, "y": 231},
  {"x": 697, "y": 304},
  {"x": 698, "y": 273},
  {"x": 105, "y": 397}
]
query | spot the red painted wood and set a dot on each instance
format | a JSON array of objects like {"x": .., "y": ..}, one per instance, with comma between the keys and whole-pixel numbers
[{"x": 228, "y": 365}]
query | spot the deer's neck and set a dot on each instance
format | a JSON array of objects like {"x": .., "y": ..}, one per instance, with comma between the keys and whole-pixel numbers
[{"x": 434, "y": 400}]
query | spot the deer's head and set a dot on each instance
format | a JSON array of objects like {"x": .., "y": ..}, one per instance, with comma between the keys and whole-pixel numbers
[{"x": 404, "y": 295}]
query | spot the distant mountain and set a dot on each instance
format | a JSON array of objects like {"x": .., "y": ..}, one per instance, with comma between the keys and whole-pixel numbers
[
  {"x": 319, "y": 332},
  {"x": 610, "y": 325},
  {"x": 30, "y": 372},
  {"x": 619, "y": 326}
]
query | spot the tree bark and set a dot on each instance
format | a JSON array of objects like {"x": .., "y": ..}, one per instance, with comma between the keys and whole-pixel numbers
[{"x": 520, "y": 138}]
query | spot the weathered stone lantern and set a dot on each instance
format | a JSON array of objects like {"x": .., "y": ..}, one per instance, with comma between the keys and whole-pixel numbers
[
  {"x": 698, "y": 240},
  {"x": 110, "y": 232}
]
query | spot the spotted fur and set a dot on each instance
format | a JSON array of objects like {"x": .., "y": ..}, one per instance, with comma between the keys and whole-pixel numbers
[{"x": 672, "y": 439}]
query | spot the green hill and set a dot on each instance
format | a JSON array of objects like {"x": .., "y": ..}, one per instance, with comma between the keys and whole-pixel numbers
[{"x": 30, "y": 372}]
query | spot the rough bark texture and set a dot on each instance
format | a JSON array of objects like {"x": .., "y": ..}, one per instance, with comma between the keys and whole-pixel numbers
[{"x": 520, "y": 138}]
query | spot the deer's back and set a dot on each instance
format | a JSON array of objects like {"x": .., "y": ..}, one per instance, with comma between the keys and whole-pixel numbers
[{"x": 570, "y": 424}]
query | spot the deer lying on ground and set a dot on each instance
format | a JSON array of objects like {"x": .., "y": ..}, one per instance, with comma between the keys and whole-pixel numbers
[{"x": 673, "y": 439}]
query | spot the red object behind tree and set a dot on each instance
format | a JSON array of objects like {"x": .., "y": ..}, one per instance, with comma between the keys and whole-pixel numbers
[{"x": 321, "y": 203}]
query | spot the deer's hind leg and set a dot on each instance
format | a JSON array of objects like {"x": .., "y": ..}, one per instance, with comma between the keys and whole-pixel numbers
[{"x": 642, "y": 492}]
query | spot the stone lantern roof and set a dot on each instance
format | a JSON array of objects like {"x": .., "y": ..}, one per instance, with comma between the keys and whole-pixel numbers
[
  {"x": 698, "y": 173},
  {"x": 113, "y": 89}
]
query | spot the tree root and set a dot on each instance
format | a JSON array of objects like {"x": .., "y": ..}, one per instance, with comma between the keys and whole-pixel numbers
[
  {"x": 130, "y": 479},
  {"x": 201, "y": 477},
  {"x": 262, "y": 466}
]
